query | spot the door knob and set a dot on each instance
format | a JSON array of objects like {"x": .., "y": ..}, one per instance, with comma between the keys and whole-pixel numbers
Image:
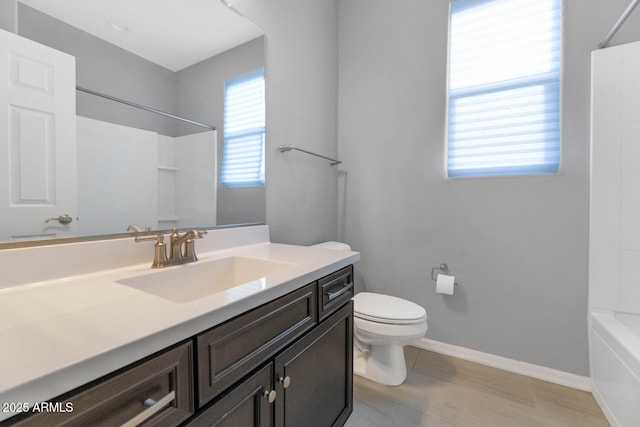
[
  {"x": 270, "y": 395},
  {"x": 285, "y": 381},
  {"x": 62, "y": 219}
]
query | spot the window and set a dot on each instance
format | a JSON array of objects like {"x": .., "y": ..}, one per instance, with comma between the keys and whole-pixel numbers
[
  {"x": 504, "y": 87},
  {"x": 244, "y": 131}
]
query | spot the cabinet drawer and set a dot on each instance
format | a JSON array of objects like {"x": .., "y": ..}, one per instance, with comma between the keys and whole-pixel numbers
[
  {"x": 334, "y": 290},
  {"x": 166, "y": 379},
  {"x": 235, "y": 348}
]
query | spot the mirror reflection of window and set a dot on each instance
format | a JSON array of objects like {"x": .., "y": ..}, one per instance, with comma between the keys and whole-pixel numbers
[{"x": 244, "y": 131}]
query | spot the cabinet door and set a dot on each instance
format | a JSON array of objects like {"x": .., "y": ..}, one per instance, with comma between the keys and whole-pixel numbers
[
  {"x": 244, "y": 406},
  {"x": 235, "y": 348},
  {"x": 314, "y": 377}
]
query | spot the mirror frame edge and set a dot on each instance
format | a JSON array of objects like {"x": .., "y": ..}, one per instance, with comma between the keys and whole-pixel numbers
[{"x": 97, "y": 238}]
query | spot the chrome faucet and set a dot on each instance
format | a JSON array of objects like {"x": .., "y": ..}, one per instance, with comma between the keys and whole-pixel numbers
[
  {"x": 176, "y": 252},
  {"x": 181, "y": 248}
]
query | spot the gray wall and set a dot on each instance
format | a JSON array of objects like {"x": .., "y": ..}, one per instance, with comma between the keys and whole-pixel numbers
[
  {"x": 301, "y": 47},
  {"x": 9, "y": 15},
  {"x": 201, "y": 98},
  {"x": 518, "y": 246}
]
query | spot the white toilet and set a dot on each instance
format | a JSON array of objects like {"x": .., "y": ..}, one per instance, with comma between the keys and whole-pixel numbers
[{"x": 383, "y": 325}]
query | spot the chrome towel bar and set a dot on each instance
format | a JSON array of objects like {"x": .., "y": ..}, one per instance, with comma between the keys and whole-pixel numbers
[{"x": 284, "y": 148}]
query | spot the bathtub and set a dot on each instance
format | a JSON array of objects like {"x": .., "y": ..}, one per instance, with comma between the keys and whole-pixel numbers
[{"x": 614, "y": 346}]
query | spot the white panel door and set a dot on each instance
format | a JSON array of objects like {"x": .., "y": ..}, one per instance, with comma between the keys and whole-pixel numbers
[{"x": 37, "y": 140}]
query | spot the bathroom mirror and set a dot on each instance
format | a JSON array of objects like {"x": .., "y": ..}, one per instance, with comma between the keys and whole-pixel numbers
[{"x": 173, "y": 56}]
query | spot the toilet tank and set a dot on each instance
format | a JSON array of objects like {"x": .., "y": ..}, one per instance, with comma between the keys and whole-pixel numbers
[{"x": 333, "y": 245}]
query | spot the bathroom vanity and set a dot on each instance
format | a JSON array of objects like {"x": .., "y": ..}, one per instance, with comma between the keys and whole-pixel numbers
[{"x": 270, "y": 348}]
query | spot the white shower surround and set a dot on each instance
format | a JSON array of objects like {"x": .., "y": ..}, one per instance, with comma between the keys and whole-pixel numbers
[
  {"x": 134, "y": 176},
  {"x": 614, "y": 233}
]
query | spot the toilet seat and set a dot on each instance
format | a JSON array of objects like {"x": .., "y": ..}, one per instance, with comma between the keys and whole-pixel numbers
[{"x": 387, "y": 309}]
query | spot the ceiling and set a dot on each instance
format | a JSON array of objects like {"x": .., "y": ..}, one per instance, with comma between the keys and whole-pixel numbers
[{"x": 171, "y": 33}]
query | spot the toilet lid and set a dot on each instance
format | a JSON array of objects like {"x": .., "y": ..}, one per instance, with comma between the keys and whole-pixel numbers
[{"x": 386, "y": 309}]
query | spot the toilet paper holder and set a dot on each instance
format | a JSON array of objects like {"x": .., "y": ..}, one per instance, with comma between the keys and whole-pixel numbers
[{"x": 444, "y": 268}]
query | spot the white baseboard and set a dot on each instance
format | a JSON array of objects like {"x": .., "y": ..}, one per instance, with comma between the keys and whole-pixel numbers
[{"x": 535, "y": 371}]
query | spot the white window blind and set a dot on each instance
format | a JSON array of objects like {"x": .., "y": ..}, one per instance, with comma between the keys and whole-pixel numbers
[
  {"x": 504, "y": 87},
  {"x": 244, "y": 131}
]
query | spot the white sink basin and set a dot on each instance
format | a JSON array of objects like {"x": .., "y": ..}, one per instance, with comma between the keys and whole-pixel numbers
[{"x": 193, "y": 281}]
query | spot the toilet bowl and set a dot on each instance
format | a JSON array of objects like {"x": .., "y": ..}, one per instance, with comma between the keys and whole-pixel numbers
[{"x": 383, "y": 325}]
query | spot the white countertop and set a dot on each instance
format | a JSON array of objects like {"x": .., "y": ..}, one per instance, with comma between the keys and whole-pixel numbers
[{"x": 57, "y": 335}]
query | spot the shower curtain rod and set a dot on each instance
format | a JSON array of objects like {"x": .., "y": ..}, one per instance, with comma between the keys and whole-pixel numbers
[
  {"x": 618, "y": 24},
  {"x": 142, "y": 107}
]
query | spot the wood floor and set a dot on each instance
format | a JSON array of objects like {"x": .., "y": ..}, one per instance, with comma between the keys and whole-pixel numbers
[{"x": 444, "y": 391}]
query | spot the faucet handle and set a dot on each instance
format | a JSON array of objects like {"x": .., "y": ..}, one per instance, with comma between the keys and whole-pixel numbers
[
  {"x": 159, "y": 251},
  {"x": 134, "y": 228},
  {"x": 159, "y": 239},
  {"x": 192, "y": 234}
]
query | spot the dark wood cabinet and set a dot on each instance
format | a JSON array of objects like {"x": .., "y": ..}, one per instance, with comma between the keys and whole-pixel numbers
[
  {"x": 308, "y": 384},
  {"x": 288, "y": 362}
]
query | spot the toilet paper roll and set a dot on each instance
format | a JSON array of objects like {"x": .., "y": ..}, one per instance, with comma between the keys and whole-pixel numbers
[{"x": 445, "y": 284}]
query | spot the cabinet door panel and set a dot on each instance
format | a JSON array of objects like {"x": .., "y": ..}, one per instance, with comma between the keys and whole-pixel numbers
[
  {"x": 319, "y": 373},
  {"x": 244, "y": 406},
  {"x": 235, "y": 348}
]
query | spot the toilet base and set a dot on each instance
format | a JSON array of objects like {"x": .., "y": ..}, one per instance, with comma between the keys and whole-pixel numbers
[{"x": 383, "y": 364}]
